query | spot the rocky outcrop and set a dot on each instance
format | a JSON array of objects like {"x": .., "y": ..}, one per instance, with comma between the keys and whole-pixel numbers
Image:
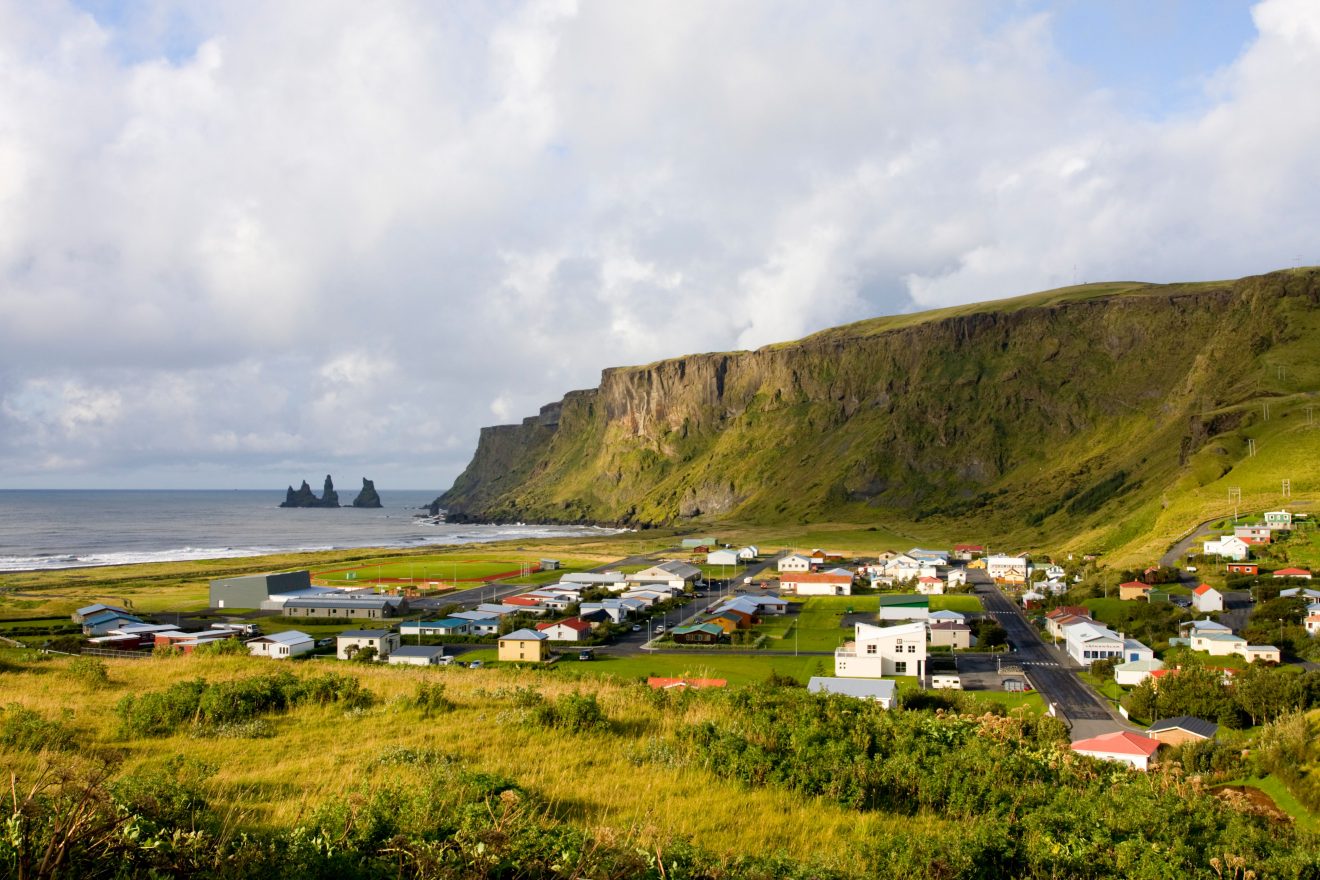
[
  {"x": 368, "y": 496},
  {"x": 305, "y": 497},
  {"x": 1006, "y": 411}
]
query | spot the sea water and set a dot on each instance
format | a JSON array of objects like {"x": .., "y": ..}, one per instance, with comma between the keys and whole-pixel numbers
[{"x": 45, "y": 529}]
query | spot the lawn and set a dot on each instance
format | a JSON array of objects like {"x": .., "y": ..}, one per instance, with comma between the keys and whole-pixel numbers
[
  {"x": 962, "y": 603},
  {"x": 737, "y": 669},
  {"x": 1283, "y": 798},
  {"x": 464, "y": 568}
]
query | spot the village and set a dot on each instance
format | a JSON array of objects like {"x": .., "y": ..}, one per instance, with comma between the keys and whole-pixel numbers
[{"x": 884, "y": 624}]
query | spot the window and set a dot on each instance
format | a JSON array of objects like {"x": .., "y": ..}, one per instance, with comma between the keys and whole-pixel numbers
[
  {"x": 912, "y": 649},
  {"x": 900, "y": 668},
  {"x": 870, "y": 649}
]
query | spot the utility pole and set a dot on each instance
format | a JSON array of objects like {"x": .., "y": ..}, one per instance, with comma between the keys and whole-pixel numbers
[
  {"x": 1251, "y": 446},
  {"x": 1266, "y": 408},
  {"x": 1235, "y": 496},
  {"x": 1310, "y": 415},
  {"x": 1287, "y": 488}
]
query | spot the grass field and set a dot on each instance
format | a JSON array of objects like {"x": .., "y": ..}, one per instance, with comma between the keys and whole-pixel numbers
[{"x": 1283, "y": 798}]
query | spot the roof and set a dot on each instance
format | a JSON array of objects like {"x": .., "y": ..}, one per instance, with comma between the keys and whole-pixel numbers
[
  {"x": 946, "y": 614},
  {"x": 1122, "y": 742},
  {"x": 1069, "y": 611},
  {"x": 861, "y": 688},
  {"x": 364, "y": 633},
  {"x": 1140, "y": 666},
  {"x": 446, "y": 623},
  {"x": 666, "y": 683},
  {"x": 288, "y": 637},
  {"x": 1135, "y": 584},
  {"x": 904, "y": 600},
  {"x": 92, "y": 609},
  {"x": 710, "y": 628},
  {"x": 1292, "y": 572},
  {"x": 1199, "y": 726},
  {"x": 1208, "y": 624},
  {"x": 574, "y": 623},
  {"x": 824, "y": 577},
  {"x": 379, "y": 603},
  {"x": 976, "y": 547},
  {"x": 109, "y": 614},
  {"x": 1203, "y": 589},
  {"x": 1220, "y": 637},
  {"x": 524, "y": 635},
  {"x": 950, "y": 625},
  {"x": 423, "y": 651}
]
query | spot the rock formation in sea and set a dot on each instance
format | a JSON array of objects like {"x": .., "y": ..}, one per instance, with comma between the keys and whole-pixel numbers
[
  {"x": 305, "y": 497},
  {"x": 368, "y": 497}
]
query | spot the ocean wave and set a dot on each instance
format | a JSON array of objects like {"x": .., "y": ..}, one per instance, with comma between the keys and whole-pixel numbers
[{"x": 44, "y": 562}]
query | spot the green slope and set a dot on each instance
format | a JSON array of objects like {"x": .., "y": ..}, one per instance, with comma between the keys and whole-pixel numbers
[{"x": 1106, "y": 417}]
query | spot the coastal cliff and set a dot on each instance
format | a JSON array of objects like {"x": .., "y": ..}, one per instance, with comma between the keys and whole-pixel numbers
[
  {"x": 1019, "y": 408},
  {"x": 305, "y": 497},
  {"x": 368, "y": 497}
]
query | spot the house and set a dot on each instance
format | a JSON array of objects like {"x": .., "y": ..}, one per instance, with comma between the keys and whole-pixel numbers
[
  {"x": 728, "y": 624},
  {"x": 766, "y": 604},
  {"x": 549, "y": 564},
  {"x": 523, "y": 645},
  {"x": 932, "y": 557},
  {"x": 1254, "y": 534},
  {"x": 1228, "y": 547},
  {"x": 1087, "y": 641},
  {"x": 749, "y": 553},
  {"x": 417, "y": 655},
  {"x": 1063, "y": 615},
  {"x": 1312, "y": 624},
  {"x": 879, "y": 690},
  {"x": 1007, "y": 569},
  {"x": 1055, "y": 572},
  {"x": 682, "y": 684},
  {"x": 1308, "y": 594},
  {"x": 1134, "y": 672},
  {"x": 1032, "y": 599},
  {"x": 88, "y": 610},
  {"x": 449, "y": 626},
  {"x": 1302, "y": 573},
  {"x": 795, "y": 562},
  {"x": 1124, "y": 746},
  {"x": 877, "y": 651},
  {"x": 1133, "y": 590},
  {"x": 1217, "y": 644},
  {"x": 351, "y": 641},
  {"x": 967, "y": 552},
  {"x": 1206, "y": 598},
  {"x": 697, "y": 634},
  {"x": 479, "y": 623},
  {"x": 253, "y": 590},
  {"x": 957, "y": 577},
  {"x": 282, "y": 645},
  {"x": 1183, "y": 729},
  {"x": 723, "y": 557},
  {"x": 742, "y": 618},
  {"x": 812, "y": 584},
  {"x": 950, "y": 634},
  {"x": 1263, "y": 654},
  {"x": 574, "y": 629},
  {"x": 1278, "y": 519},
  {"x": 347, "y": 606},
  {"x": 1205, "y": 625},
  {"x": 671, "y": 573},
  {"x": 930, "y": 586},
  {"x": 904, "y": 606},
  {"x": 99, "y": 623},
  {"x": 946, "y": 616},
  {"x": 609, "y": 580}
]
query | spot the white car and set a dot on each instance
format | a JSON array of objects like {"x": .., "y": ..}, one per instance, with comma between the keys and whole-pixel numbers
[{"x": 659, "y": 628}]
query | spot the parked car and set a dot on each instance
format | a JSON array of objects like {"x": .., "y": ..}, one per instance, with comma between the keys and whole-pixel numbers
[
  {"x": 475, "y": 664},
  {"x": 659, "y": 628},
  {"x": 637, "y": 627},
  {"x": 325, "y": 643}
]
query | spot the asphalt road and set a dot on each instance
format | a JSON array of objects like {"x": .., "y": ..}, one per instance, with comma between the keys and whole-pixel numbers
[{"x": 1051, "y": 671}]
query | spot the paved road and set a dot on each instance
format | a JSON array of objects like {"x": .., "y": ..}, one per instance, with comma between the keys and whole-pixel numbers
[{"x": 1051, "y": 670}]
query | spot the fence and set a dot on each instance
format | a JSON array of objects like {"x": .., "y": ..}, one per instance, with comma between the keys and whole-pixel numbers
[{"x": 119, "y": 655}]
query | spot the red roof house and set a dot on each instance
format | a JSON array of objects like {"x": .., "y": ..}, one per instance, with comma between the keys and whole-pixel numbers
[
  {"x": 685, "y": 683},
  {"x": 1293, "y": 573},
  {"x": 1124, "y": 746}
]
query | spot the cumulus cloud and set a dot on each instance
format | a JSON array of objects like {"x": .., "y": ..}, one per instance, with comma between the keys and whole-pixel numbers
[{"x": 241, "y": 242}]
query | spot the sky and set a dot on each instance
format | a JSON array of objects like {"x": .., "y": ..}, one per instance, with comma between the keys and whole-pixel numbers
[{"x": 246, "y": 243}]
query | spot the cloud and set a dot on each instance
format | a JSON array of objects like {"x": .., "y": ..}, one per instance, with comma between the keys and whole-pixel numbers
[{"x": 241, "y": 242}]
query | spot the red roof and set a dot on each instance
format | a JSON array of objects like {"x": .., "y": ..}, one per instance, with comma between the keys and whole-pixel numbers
[
  {"x": 1292, "y": 572},
  {"x": 659, "y": 683},
  {"x": 823, "y": 577},
  {"x": 1068, "y": 611},
  {"x": 1122, "y": 742},
  {"x": 968, "y": 548},
  {"x": 521, "y": 600},
  {"x": 928, "y": 580},
  {"x": 574, "y": 623},
  {"x": 1203, "y": 589},
  {"x": 1141, "y": 584}
]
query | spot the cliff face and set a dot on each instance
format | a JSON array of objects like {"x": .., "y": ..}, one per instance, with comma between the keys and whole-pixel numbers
[{"x": 1018, "y": 408}]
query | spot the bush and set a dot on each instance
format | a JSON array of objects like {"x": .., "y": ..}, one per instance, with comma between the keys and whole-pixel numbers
[
  {"x": 577, "y": 713},
  {"x": 89, "y": 672},
  {"x": 169, "y": 797},
  {"x": 29, "y": 731},
  {"x": 221, "y": 648},
  {"x": 431, "y": 699}
]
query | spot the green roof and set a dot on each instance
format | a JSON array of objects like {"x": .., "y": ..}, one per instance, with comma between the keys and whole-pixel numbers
[
  {"x": 906, "y": 600},
  {"x": 697, "y": 627}
]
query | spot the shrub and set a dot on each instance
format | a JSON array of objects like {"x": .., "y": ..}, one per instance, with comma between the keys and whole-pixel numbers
[
  {"x": 578, "y": 713},
  {"x": 168, "y": 797},
  {"x": 431, "y": 699},
  {"x": 89, "y": 672},
  {"x": 221, "y": 648},
  {"x": 29, "y": 731}
]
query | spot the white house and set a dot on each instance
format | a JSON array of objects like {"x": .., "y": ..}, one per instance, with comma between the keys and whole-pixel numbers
[
  {"x": 1133, "y": 673},
  {"x": 1087, "y": 641},
  {"x": 351, "y": 641},
  {"x": 1228, "y": 547},
  {"x": 795, "y": 562},
  {"x": 1123, "y": 746},
  {"x": 883, "y": 692},
  {"x": 1312, "y": 624},
  {"x": 1278, "y": 519},
  {"x": 417, "y": 655},
  {"x": 749, "y": 553},
  {"x": 946, "y": 616},
  {"x": 1007, "y": 569},
  {"x": 672, "y": 573},
  {"x": 877, "y": 651},
  {"x": 1206, "y": 598},
  {"x": 723, "y": 557},
  {"x": 1055, "y": 573},
  {"x": 821, "y": 584},
  {"x": 281, "y": 646},
  {"x": 930, "y": 586},
  {"x": 957, "y": 577}
]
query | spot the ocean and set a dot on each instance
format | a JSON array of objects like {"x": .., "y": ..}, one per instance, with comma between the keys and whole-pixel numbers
[{"x": 49, "y": 529}]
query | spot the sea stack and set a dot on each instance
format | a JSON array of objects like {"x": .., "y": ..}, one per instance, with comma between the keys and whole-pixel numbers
[
  {"x": 368, "y": 497},
  {"x": 304, "y": 497}
]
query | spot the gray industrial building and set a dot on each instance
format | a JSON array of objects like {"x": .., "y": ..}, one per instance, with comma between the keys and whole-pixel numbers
[
  {"x": 249, "y": 591},
  {"x": 347, "y": 606}
]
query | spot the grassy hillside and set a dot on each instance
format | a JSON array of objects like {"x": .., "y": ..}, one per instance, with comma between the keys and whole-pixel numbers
[{"x": 1103, "y": 417}]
